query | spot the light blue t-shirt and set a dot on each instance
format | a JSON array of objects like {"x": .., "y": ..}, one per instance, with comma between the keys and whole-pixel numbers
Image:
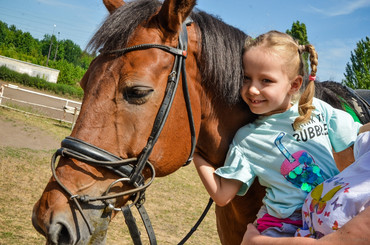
[{"x": 289, "y": 163}]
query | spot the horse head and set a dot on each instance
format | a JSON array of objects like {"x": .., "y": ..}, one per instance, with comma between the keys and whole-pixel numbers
[{"x": 142, "y": 110}]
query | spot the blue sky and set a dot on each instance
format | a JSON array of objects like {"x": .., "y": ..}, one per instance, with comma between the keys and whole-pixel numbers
[{"x": 333, "y": 26}]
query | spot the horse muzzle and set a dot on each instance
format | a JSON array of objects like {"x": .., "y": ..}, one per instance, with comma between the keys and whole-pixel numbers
[{"x": 64, "y": 226}]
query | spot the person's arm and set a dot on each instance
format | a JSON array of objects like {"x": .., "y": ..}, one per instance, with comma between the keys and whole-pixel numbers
[
  {"x": 221, "y": 190},
  {"x": 364, "y": 128},
  {"x": 345, "y": 158},
  {"x": 354, "y": 232},
  {"x": 253, "y": 237}
]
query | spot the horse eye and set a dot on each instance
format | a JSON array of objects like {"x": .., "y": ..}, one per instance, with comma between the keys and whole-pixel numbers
[{"x": 137, "y": 95}]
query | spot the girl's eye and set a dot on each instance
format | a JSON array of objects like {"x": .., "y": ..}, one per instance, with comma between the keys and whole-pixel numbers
[
  {"x": 267, "y": 80},
  {"x": 246, "y": 78}
]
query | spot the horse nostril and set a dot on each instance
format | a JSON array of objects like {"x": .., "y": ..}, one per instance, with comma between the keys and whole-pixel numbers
[{"x": 59, "y": 234}]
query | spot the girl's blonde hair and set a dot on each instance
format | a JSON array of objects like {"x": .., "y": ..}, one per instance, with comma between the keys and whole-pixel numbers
[{"x": 291, "y": 52}]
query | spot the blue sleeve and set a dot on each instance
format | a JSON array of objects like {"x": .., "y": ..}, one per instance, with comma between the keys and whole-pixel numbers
[
  {"x": 237, "y": 167},
  {"x": 342, "y": 128}
]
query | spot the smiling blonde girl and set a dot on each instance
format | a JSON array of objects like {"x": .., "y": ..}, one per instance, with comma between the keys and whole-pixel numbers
[{"x": 289, "y": 146}]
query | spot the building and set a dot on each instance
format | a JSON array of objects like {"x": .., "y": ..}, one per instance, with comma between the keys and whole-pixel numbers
[{"x": 46, "y": 73}]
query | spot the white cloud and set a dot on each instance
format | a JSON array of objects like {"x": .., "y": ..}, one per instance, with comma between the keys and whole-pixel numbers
[{"x": 345, "y": 7}]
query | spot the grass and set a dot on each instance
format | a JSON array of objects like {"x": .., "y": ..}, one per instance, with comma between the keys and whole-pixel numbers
[
  {"x": 28, "y": 109},
  {"x": 174, "y": 203}
]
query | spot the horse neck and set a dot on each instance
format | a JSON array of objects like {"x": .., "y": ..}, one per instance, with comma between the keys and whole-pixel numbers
[{"x": 218, "y": 127}]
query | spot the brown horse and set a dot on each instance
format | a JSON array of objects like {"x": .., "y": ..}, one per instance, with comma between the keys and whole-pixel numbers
[
  {"x": 125, "y": 89},
  {"x": 123, "y": 93}
]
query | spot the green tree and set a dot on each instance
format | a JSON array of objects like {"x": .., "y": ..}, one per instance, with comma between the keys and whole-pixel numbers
[
  {"x": 44, "y": 44},
  {"x": 27, "y": 44},
  {"x": 3, "y": 32},
  {"x": 357, "y": 75},
  {"x": 70, "y": 59},
  {"x": 72, "y": 52},
  {"x": 299, "y": 33},
  {"x": 69, "y": 73},
  {"x": 60, "y": 51},
  {"x": 85, "y": 60}
]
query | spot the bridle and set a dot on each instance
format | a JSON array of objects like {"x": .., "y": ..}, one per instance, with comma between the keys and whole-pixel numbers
[{"x": 130, "y": 170}]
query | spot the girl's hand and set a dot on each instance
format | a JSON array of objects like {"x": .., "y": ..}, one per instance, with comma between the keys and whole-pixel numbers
[
  {"x": 251, "y": 236},
  {"x": 221, "y": 190}
]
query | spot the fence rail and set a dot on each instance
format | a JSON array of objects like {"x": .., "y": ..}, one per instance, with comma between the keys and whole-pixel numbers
[{"x": 65, "y": 110}]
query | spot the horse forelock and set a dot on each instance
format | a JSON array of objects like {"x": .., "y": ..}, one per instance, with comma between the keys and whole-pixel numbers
[
  {"x": 117, "y": 28},
  {"x": 221, "y": 45}
]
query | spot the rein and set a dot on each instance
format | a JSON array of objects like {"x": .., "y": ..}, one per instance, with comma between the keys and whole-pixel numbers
[{"x": 130, "y": 170}]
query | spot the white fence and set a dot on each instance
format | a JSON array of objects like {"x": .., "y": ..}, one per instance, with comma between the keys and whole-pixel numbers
[{"x": 65, "y": 110}]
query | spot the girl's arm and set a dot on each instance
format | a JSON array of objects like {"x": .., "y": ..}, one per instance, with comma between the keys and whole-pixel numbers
[{"x": 221, "y": 190}]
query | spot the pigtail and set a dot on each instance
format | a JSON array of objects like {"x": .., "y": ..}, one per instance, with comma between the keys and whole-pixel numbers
[{"x": 305, "y": 106}]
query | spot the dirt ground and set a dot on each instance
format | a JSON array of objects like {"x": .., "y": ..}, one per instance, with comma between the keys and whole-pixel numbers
[{"x": 19, "y": 134}]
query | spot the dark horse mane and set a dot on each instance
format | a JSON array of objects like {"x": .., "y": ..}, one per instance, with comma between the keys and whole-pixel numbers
[
  {"x": 342, "y": 97},
  {"x": 331, "y": 92},
  {"x": 222, "y": 45}
]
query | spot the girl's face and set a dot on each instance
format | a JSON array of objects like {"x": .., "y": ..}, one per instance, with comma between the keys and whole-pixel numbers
[{"x": 267, "y": 88}]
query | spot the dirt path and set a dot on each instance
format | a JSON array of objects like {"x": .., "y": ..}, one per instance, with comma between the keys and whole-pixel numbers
[{"x": 19, "y": 134}]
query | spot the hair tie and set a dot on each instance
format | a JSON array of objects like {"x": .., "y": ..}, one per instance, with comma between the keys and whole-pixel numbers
[
  {"x": 301, "y": 48},
  {"x": 311, "y": 78}
]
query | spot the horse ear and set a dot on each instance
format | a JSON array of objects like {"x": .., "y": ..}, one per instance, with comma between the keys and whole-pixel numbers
[
  {"x": 174, "y": 12},
  {"x": 112, "y": 5}
]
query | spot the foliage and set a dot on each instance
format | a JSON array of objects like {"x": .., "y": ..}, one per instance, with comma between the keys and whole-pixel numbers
[
  {"x": 357, "y": 75},
  {"x": 65, "y": 55},
  {"x": 69, "y": 73},
  {"x": 299, "y": 33},
  {"x": 15, "y": 39},
  {"x": 36, "y": 82}
]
